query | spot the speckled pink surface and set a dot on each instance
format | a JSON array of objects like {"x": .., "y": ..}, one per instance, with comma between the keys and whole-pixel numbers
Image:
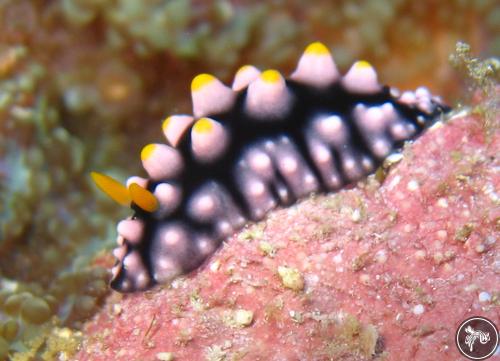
[{"x": 410, "y": 257}]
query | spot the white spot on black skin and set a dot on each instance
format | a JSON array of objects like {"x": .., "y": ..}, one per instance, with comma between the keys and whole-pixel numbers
[
  {"x": 323, "y": 149},
  {"x": 131, "y": 229},
  {"x": 367, "y": 164},
  {"x": 401, "y": 130},
  {"x": 291, "y": 165},
  {"x": 169, "y": 196},
  {"x": 204, "y": 204},
  {"x": 211, "y": 203},
  {"x": 259, "y": 162},
  {"x": 165, "y": 269},
  {"x": 351, "y": 167},
  {"x": 131, "y": 274},
  {"x": 329, "y": 132},
  {"x": 173, "y": 251},
  {"x": 206, "y": 245},
  {"x": 331, "y": 129},
  {"x": 258, "y": 197},
  {"x": 423, "y": 92},
  {"x": 323, "y": 159},
  {"x": 119, "y": 252},
  {"x": 282, "y": 192},
  {"x": 374, "y": 123},
  {"x": 408, "y": 98},
  {"x": 395, "y": 93}
]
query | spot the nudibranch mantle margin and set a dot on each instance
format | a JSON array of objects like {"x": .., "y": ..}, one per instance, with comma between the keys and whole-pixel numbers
[{"x": 264, "y": 142}]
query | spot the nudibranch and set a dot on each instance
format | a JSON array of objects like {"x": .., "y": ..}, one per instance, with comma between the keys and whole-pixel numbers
[{"x": 264, "y": 142}]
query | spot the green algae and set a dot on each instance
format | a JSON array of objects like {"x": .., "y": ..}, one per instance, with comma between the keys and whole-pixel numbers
[
  {"x": 42, "y": 248},
  {"x": 151, "y": 26},
  {"x": 216, "y": 34},
  {"x": 483, "y": 76},
  {"x": 35, "y": 310},
  {"x": 4, "y": 349},
  {"x": 353, "y": 338},
  {"x": 50, "y": 343}
]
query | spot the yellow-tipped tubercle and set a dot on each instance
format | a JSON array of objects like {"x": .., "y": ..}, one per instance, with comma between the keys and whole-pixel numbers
[
  {"x": 271, "y": 76},
  {"x": 244, "y": 68},
  {"x": 317, "y": 48},
  {"x": 143, "y": 198},
  {"x": 165, "y": 123},
  {"x": 203, "y": 125},
  {"x": 362, "y": 64},
  {"x": 201, "y": 80},
  {"x": 111, "y": 187},
  {"x": 147, "y": 151}
]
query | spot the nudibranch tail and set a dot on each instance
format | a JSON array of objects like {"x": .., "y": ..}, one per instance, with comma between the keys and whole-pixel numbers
[{"x": 264, "y": 142}]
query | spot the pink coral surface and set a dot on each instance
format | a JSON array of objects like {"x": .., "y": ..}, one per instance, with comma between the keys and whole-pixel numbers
[{"x": 389, "y": 271}]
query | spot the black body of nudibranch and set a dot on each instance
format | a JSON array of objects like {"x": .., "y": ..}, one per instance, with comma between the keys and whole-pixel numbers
[{"x": 265, "y": 142}]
